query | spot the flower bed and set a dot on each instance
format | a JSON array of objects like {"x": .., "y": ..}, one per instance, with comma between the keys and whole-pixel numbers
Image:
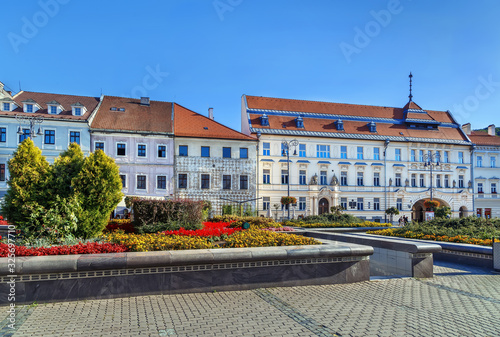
[
  {"x": 87, "y": 248},
  {"x": 210, "y": 229},
  {"x": 122, "y": 224},
  {"x": 336, "y": 224},
  {"x": 421, "y": 236},
  {"x": 264, "y": 238}
]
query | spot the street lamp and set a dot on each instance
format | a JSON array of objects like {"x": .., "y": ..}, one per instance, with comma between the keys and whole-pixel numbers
[
  {"x": 431, "y": 160},
  {"x": 32, "y": 121},
  {"x": 386, "y": 144},
  {"x": 286, "y": 145}
]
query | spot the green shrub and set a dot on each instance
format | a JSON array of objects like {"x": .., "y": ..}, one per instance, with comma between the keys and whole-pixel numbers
[
  {"x": 159, "y": 227},
  {"x": 186, "y": 213},
  {"x": 329, "y": 218},
  {"x": 255, "y": 222}
]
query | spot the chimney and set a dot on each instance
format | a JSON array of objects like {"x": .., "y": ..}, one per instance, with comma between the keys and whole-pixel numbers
[
  {"x": 211, "y": 113},
  {"x": 145, "y": 101},
  {"x": 491, "y": 130},
  {"x": 467, "y": 128}
]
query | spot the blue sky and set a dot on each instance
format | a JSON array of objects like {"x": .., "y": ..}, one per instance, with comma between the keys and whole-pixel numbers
[{"x": 205, "y": 54}]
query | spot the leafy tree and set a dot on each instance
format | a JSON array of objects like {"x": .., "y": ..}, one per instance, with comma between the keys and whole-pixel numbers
[
  {"x": 66, "y": 168},
  {"x": 98, "y": 188},
  {"x": 442, "y": 212},
  {"x": 29, "y": 173},
  {"x": 392, "y": 211}
]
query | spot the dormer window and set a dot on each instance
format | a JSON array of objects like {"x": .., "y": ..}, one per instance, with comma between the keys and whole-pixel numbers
[
  {"x": 78, "y": 109},
  {"x": 299, "y": 122},
  {"x": 30, "y": 106},
  {"x": 54, "y": 108},
  {"x": 372, "y": 126},
  {"x": 264, "y": 120},
  {"x": 6, "y": 107},
  {"x": 340, "y": 125}
]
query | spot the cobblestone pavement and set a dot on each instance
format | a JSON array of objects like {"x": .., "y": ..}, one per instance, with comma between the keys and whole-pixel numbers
[{"x": 458, "y": 301}]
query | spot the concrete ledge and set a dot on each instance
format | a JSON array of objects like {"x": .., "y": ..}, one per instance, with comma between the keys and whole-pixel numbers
[
  {"x": 94, "y": 276},
  {"x": 392, "y": 256}
]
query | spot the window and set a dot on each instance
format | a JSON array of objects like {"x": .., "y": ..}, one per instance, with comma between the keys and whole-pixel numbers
[
  {"x": 243, "y": 152},
  {"x": 398, "y": 154},
  {"x": 322, "y": 178},
  {"x": 460, "y": 157},
  {"x": 397, "y": 181},
  {"x": 421, "y": 155},
  {"x": 124, "y": 180},
  {"x": 343, "y": 152},
  {"x": 438, "y": 156},
  {"x": 302, "y": 177},
  {"x": 2, "y": 172},
  {"x": 376, "y": 153},
  {"x": 461, "y": 181},
  {"x": 3, "y": 135},
  {"x": 493, "y": 161},
  {"x": 399, "y": 204},
  {"x": 99, "y": 146},
  {"x": 302, "y": 150},
  {"x": 446, "y": 181},
  {"x": 24, "y": 135},
  {"x": 480, "y": 188},
  {"x": 284, "y": 177},
  {"x": 226, "y": 152},
  {"x": 343, "y": 203},
  {"x": 243, "y": 182},
  {"x": 493, "y": 185},
  {"x": 161, "y": 182},
  {"x": 78, "y": 111},
  {"x": 376, "y": 179},
  {"x": 183, "y": 180},
  {"x": 302, "y": 203},
  {"x": 141, "y": 150},
  {"x": 422, "y": 181},
  {"x": 266, "y": 177},
  {"x": 283, "y": 150},
  {"x": 226, "y": 182},
  {"x": 266, "y": 203},
  {"x": 343, "y": 178},
  {"x": 50, "y": 137},
  {"x": 360, "y": 179},
  {"x": 323, "y": 151},
  {"x": 412, "y": 155},
  {"x": 479, "y": 161},
  {"x": 205, "y": 151},
  {"x": 446, "y": 158},
  {"x": 6, "y": 107},
  {"x": 360, "y": 152},
  {"x": 162, "y": 151},
  {"x": 266, "y": 149},
  {"x": 74, "y": 137},
  {"x": 120, "y": 149},
  {"x": 53, "y": 109},
  {"x": 360, "y": 204},
  {"x": 183, "y": 150},
  {"x": 205, "y": 181},
  {"x": 376, "y": 204},
  {"x": 141, "y": 182},
  {"x": 413, "y": 180},
  {"x": 438, "y": 180},
  {"x": 29, "y": 107}
]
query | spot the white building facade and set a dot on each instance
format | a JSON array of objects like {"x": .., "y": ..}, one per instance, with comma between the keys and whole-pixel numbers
[{"x": 363, "y": 158}]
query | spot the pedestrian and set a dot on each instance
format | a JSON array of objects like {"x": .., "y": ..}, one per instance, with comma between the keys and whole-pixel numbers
[
  {"x": 400, "y": 221},
  {"x": 405, "y": 220}
]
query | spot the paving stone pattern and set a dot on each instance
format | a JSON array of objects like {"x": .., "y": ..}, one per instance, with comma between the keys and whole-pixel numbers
[{"x": 458, "y": 301}]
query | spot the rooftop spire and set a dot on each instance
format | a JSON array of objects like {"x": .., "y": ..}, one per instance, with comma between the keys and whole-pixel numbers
[{"x": 410, "y": 96}]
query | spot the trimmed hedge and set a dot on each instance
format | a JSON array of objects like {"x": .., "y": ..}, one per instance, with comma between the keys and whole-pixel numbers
[{"x": 185, "y": 213}]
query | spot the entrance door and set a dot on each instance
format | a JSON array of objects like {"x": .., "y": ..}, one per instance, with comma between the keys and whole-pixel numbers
[{"x": 323, "y": 206}]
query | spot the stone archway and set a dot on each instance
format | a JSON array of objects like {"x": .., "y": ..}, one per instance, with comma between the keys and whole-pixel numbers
[
  {"x": 418, "y": 209},
  {"x": 462, "y": 212},
  {"x": 323, "y": 206}
]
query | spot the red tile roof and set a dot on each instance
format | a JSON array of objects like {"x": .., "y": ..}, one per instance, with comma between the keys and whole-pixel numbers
[
  {"x": 43, "y": 98},
  {"x": 188, "y": 123},
  {"x": 317, "y": 124},
  {"x": 281, "y": 104},
  {"x": 483, "y": 138},
  {"x": 157, "y": 117}
]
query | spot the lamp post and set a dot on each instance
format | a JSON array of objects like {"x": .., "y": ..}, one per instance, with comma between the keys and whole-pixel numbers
[
  {"x": 431, "y": 160},
  {"x": 32, "y": 121},
  {"x": 286, "y": 145},
  {"x": 386, "y": 144}
]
